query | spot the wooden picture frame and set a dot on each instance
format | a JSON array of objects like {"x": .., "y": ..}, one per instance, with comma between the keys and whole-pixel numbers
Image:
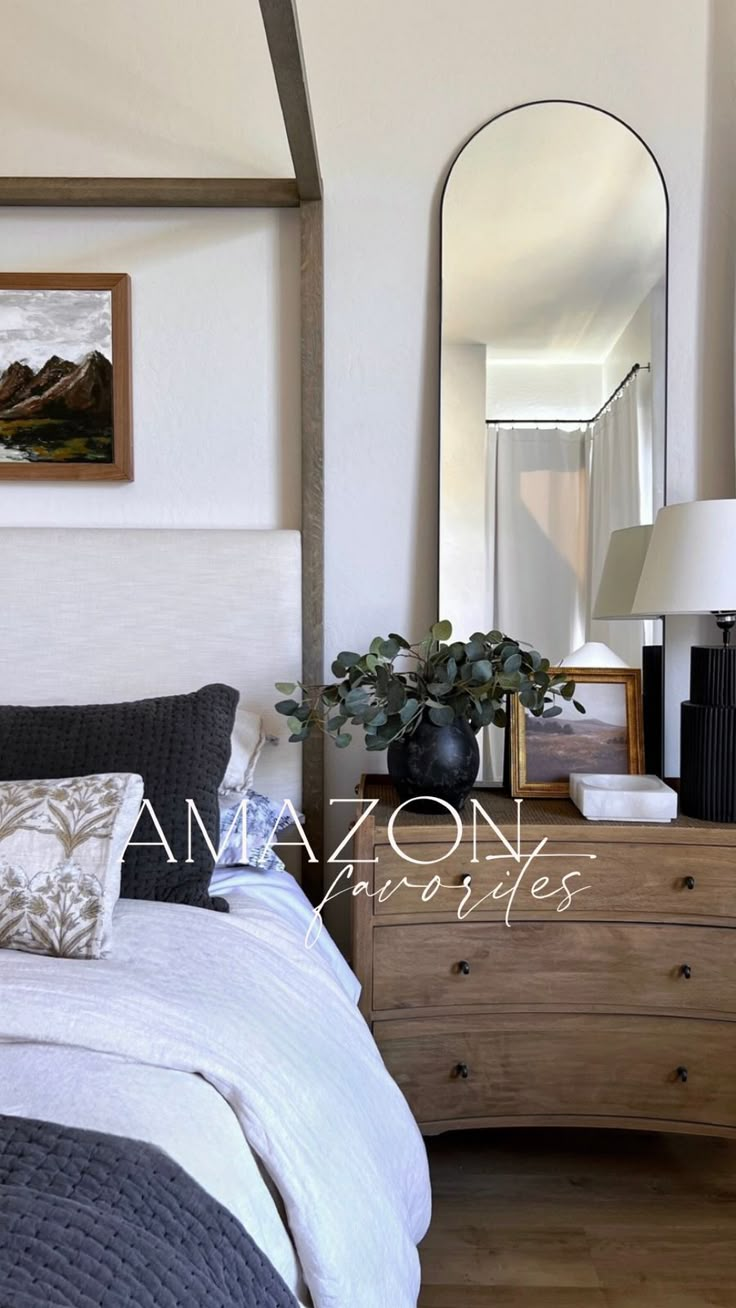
[
  {"x": 50, "y": 410},
  {"x": 541, "y": 767}
]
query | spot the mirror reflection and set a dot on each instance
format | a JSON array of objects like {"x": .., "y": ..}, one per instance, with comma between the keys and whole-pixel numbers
[{"x": 554, "y": 253}]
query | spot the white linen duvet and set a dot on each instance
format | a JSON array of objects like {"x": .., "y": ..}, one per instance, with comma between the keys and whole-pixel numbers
[{"x": 202, "y": 1029}]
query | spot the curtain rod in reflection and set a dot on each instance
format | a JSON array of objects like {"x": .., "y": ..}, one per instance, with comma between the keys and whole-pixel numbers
[{"x": 579, "y": 422}]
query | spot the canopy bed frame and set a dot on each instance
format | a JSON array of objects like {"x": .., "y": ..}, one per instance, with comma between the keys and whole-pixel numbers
[{"x": 303, "y": 191}]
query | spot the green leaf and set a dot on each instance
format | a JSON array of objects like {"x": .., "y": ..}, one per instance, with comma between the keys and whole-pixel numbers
[
  {"x": 377, "y": 717},
  {"x": 295, "y": 725},
  {"x": 474, "y": 650},
  {"x": 395, "y": 697},
  {"x": 389, "y": 648},
  {"x": 357, "y": 700},
  {"x": 568, "y": 690},
  {"x": 343, "y": 739},
  {"x": 443, "y": 716},
  {"x": 400, "y": 640},
  {"x": 285, "y": 687},
  {"x": 580, "y": 707},
  {"x": 512, "y": 663},
  {"x": 442, "y": 630},
  {"x": 410, "y": 707},
  {"x": 348, "y": 658},
  {"x": 482, "y": 670},
  {"x": 457, "y": 649},
  {"x": 286, "y": 706},
  {"x": 383, "y": 679},
  {"x": 374, "y": 743},
  {"x": 438, "y": 688},
  {"x": 338, "y": 668},
  {"x": 297, "y": 737},
  {"x": 552, "y": 712}
]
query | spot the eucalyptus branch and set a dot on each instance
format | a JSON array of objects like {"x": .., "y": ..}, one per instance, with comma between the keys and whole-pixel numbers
[{"x": 470, "y": 680}]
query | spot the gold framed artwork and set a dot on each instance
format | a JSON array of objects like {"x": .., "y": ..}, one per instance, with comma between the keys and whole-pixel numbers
[
  {"x": 65, "y": 389},
  {"x": 608, "y": 737}
]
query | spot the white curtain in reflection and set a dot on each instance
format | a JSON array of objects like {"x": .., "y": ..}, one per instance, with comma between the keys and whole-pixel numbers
[
  {"x": 621, "y": 495},
  {"x": 541, "y": 537}
]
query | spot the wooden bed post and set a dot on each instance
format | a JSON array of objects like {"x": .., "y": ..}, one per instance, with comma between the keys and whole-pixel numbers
[
  {"x": 282, "y": 34},
  {"x": 313, "y": 589}
]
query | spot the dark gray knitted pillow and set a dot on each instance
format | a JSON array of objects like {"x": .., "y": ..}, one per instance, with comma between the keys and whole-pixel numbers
[{"x": 179, "y": 744}]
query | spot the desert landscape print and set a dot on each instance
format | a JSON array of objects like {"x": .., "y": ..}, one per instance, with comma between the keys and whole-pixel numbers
[
  {"x": 557, "y": 747},
  {"x": 56, "y": 393}
]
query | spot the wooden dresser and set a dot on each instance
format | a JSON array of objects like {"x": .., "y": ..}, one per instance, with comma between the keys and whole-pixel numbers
[{"x": 619, "y": 1010}]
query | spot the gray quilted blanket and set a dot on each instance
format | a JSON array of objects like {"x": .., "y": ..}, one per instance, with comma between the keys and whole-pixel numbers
[{"x": 97, "y": 1221}]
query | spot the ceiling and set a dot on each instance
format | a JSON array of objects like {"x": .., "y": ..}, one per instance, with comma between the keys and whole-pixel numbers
[
  {"x": 151, "y": 88},
  {"x": 554, "y": 231}
]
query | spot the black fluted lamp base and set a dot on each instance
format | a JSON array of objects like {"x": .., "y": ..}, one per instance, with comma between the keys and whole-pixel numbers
[{"x": 708, "y": 736}]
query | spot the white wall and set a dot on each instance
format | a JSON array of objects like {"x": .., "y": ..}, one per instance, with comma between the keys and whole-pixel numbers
[
  {"x": 215, "y": 315},
  {"x": 543, "y": 390},
  {"x": 396, "y": 89},
  {"x": 634, "y": 345}
]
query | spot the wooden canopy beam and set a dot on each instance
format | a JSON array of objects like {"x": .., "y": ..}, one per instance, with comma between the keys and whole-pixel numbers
[
  {"x": 151, "y": 192},
  {"x": 285, "y": 48}
]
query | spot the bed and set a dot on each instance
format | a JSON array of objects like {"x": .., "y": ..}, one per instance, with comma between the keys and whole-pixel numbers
[{"x": 215, "y": 1041}]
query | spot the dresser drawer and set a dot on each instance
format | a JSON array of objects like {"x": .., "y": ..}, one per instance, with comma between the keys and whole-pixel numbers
[
  {"x": 558, "y": 964},
  {"x": 624, "y": 880},
  {"x": 557, "y": 1066}
]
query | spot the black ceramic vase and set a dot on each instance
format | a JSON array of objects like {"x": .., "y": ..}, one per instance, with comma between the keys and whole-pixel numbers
[{"x": 435, "y": 763}]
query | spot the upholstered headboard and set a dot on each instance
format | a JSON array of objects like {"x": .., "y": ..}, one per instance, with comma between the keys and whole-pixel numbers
[{"x": 89, "y": 615}]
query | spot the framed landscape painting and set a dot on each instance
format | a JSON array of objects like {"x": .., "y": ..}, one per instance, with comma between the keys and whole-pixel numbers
[
  {"x": 608, "y": 737},
  {"x": 65, "y": 407}
]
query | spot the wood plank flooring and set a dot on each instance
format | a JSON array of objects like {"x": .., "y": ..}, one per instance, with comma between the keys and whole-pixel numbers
[{"x": 580, "y": 1219}]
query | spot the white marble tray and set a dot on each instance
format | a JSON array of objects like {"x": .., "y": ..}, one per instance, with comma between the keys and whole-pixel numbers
[{"x": 603, "y": 796}]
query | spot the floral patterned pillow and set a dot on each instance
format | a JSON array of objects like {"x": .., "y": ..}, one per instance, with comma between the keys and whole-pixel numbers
[
  {"x": 264, "y": 822},
  {"x": 61, "y": 846}
]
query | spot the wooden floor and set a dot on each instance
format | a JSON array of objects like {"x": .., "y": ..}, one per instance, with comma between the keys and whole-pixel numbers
[{"x": 588, "y": 1219}]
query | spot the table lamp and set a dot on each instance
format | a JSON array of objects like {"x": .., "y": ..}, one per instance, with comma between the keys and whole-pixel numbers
[
  {"x": 690, "y": 567},
  {"x": 627, "y": 549}
]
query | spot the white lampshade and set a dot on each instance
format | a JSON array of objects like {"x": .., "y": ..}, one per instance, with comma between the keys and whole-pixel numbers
[
  {"x": 690, "y": 564},
  {"x": 624, "y": 561},
  {"x": 593, "y": 654}
]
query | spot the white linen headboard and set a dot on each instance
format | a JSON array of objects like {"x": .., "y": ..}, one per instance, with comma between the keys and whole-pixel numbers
[{"x": 94, "y": 615}]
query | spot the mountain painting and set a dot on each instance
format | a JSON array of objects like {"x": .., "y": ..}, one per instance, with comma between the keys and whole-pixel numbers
[{"x": 63, "y": 409}]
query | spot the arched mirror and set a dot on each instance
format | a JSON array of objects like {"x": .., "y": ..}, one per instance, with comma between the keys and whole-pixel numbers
[{"x": 553, "y": 381}]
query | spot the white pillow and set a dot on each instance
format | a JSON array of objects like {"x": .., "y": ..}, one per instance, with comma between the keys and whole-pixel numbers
[
  {"x": 246, "y": 743},
  {"x": 61, "y": 846}
]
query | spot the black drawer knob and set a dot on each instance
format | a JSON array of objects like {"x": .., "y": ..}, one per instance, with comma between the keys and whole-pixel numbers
[
  {"x": 462, "y": 1070},
  {"x": 681, "y": 1074},
  {"x": 690, "y": 883},
  {"x": 686, "y": 971},
  {"x": 463, "y": 968}
]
